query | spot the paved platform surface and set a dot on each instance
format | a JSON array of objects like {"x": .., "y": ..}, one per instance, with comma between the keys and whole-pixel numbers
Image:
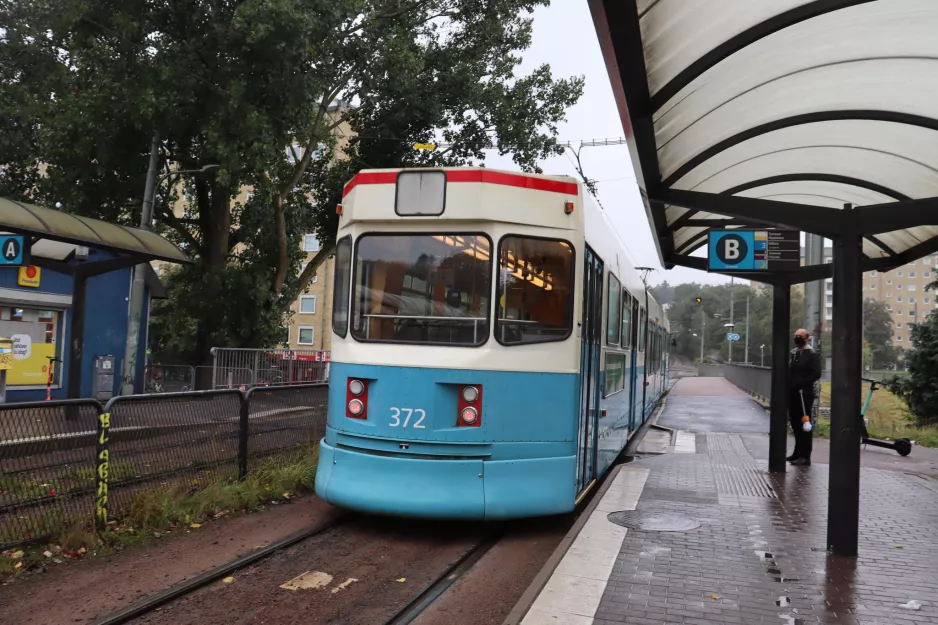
[{"x": 757, "y": 553}]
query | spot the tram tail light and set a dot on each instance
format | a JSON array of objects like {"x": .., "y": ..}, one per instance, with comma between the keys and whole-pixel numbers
[
  {"x": 470, "y": 406},
  {"x": 356, "y": 399},
  {"x": 568, "y": 207}
]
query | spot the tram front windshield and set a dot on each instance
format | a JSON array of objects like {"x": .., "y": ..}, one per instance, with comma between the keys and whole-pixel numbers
[{"x": 422, "y": 288}]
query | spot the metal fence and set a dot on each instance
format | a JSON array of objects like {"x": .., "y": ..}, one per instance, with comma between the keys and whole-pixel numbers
[
  {"x": 754, "y": 379},
  {"x": 160, "y": 378},
  {"x": 71, "y": 461},
  {"x": 249, "y": 368}
]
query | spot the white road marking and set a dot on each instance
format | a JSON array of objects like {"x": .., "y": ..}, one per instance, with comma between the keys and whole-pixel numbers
[
  {"x": 572, "y": 594},
  {"x": 308, "y": 581},
  {"x": 685, "y": 442}
]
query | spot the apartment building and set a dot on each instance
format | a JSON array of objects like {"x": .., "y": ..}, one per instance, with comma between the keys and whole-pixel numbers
[
  {"x": 903, "y": 291},
  {"x": 310, "y": 323}
]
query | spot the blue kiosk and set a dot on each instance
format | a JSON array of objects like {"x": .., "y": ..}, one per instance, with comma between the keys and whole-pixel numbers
[{"x": 64, "y": 298}]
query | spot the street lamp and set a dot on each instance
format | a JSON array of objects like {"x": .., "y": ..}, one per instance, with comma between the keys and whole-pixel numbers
[{"x": 762, "y": 353}]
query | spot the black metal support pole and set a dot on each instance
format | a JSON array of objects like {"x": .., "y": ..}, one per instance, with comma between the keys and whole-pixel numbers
[
  {"x": 843, "y": 510},
  {"x": 243, "y": 432},
  {"x": 77, "y": 338},
  {"x": 778, "y": 416}
]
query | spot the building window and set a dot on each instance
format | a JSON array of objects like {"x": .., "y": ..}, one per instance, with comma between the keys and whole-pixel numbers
[
  {"x": 899, "y": 312},
  {"x": 911, "y": 274},
  {"x": 888, "y": 281},
  {"x": 307, "y": 304},
  {"x": 899, "y": 339},
  {"x": 872, "y": 274},
  {"x": 899, "y": 325},
  {"x": 899, "y": 274},
  {"x": 927, "y": 274},
  {"x": 926, "y": 261},
  {"x": 927, "y": 300},
  {"x": 34, "y": 332},
  {"x": 911, "y": 300},
  {"x": 872, "y": 287},
  {"x": 912, "y": 313},
  {"x": 899, "y": 299},
  {"x": 285, "y": 336},
  {"x": 899, "y": 286},
  {"x": 830, "y": 298},
  {"x": 830, "y": 312},
  {"x": 888, "y": 294},
  {"x": 310, "y": 243},
  {"x": 888, "y": 307},
  {"x": 304, "y": 335}
]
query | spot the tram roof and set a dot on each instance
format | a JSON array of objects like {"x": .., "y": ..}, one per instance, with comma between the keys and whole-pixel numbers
[{"x": 785, "y": 103}]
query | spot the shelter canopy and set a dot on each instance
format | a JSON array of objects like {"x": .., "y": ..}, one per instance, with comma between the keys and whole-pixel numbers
[
  {"x": 41, "y": 224},
  {"x": 785, "y": 103}
]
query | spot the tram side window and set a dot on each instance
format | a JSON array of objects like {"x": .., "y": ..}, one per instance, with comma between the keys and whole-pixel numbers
[
  {"x": 626, "y": 319},
  {"x": 614, "y": 373},
  {"x": 613, "y": 308},
  {"x": 535, "y": 290},
  {"x": 422, "y": 288},
  {"x": 340, "y": 287}
]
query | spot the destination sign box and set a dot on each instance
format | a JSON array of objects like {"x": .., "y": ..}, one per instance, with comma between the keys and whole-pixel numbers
[{"x": 757, "y": 251}]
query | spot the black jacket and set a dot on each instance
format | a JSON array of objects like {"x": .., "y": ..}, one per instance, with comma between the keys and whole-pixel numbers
[{"x": 804, "y": 370}]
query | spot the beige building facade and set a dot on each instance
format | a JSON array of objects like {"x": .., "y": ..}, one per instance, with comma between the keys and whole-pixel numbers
[
  {"x": 903, "y": 291},
  {"x": 310, "y": 326}
]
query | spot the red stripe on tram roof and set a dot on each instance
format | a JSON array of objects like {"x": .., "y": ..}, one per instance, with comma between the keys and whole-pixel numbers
[{"x": 473, "y": 175}]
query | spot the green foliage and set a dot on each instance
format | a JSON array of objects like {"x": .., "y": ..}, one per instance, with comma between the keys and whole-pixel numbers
[
  {"x": 877, "y": 332},
  {"x": 249, "y": 85},
  {"x": 919, "y": 388},
  {"x": 687, "y": 318}
]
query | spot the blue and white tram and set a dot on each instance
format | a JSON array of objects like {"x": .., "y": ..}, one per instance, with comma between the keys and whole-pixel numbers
[{"x": 493, "y": 349}]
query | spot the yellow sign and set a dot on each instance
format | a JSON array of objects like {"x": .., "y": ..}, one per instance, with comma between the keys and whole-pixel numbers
[
  {"x": 425, "y": 146},
  {"x": 29, "y": 276},
  {"x": 31, "y": 362}
]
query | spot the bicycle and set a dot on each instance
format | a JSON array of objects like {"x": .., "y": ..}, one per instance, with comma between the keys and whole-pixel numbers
[{"x": 902, "y": 446}]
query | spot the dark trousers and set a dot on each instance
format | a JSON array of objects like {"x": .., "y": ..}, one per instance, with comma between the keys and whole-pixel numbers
[{"x": 804, "y": 441}]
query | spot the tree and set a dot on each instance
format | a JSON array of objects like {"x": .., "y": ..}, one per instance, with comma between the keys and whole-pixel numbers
[
  {"x": 877, "y": 330},
  {"x": 919, "y": 388},
  {"x": 249, "y": 85}
]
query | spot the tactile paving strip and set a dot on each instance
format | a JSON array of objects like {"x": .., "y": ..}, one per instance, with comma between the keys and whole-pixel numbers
[{"x": 735, "y": 471}]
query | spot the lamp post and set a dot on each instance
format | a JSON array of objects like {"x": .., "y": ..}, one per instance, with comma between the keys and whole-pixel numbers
[
  {"x": 129, "y": 368},
  {"x": 762, "y": 353}
]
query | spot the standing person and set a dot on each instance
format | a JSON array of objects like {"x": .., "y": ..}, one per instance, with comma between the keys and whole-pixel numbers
[{"x": 804, "y": 370}]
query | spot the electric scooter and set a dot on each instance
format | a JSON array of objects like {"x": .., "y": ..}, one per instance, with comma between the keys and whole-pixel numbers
[{"x": 902, "y": 446}]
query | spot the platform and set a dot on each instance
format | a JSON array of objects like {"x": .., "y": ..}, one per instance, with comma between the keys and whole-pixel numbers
[{"x": 743, "y": 546}]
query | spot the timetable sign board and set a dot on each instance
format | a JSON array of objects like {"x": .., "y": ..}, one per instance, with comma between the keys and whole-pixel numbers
[{"x": 754, "y": 250}]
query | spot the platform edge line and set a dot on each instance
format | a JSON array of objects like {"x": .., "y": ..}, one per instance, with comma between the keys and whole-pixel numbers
[{"x": 540, "y": 580}]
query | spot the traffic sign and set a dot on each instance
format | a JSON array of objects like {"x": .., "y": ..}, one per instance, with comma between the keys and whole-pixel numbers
[
  {"x": 754, "y": 250},
  {"x": 732, "y": 336},
  {"x": 12, "y": 252}
]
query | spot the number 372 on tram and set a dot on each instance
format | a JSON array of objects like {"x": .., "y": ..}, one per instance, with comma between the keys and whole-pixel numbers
[{"x": 493, "y": 348}]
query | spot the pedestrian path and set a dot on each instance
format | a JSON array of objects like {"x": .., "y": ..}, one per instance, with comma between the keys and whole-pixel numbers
[{"x": 708, "y": 536}]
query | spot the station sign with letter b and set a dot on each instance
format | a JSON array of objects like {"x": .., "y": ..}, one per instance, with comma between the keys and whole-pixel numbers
[{"x": 754, "y": 250}]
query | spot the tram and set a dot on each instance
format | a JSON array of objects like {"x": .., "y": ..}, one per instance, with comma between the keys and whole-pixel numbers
[{"x": 493, "y": 348}]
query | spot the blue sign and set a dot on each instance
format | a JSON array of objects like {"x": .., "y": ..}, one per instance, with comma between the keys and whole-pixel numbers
[
  {"x": 11, "y": 250},
  {"x": 754, "y": 250},
  {"x": 732, "y": 336}
]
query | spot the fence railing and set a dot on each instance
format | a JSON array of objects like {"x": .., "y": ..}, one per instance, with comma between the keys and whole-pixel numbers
[
  {"x": 168, "y": 378},
  {"x": 249, "y": 368},
  {"x": 72, "y": 461},
  {"x": 757, "y": 380}
]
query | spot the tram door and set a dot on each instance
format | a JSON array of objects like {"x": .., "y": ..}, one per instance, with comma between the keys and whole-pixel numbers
[
  {"x": 591, "y": 342},
  {"x": 635, "y": 380}
]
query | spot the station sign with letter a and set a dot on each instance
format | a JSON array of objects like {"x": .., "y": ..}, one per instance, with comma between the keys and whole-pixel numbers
[
  {"x": 754, "y": 250},
  {"x": 12, "y": 252}
]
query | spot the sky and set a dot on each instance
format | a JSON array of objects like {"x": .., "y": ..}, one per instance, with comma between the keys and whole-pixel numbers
[{"x": 565, "y": 39}]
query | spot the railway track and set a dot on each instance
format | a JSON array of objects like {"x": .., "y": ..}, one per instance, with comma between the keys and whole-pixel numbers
[{"x": 407, "y": 614}]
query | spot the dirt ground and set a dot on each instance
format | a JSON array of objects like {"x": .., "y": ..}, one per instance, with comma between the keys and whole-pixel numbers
[
  {"x": 357, "y": 573},
  {"x": 79, "y": 592}
]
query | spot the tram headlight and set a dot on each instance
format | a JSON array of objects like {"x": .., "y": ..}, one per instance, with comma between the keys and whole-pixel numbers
[
  {"x": 356, "y": 387},
  {"x": 356, "y": 408},
  {"x": 469, "y": 415},
  {"x": 470, "y": 394}
]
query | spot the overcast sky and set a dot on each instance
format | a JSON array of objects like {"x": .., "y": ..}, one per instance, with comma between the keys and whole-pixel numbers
[{"x": 565, "y": 39}]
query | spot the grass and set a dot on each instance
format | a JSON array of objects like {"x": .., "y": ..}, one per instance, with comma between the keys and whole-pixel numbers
[
  {"x": 152, "y": 512},
  {"x": 888, "y": 417}
]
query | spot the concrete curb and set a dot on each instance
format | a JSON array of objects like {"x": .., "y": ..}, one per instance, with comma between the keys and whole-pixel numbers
[{"x": 540, "y": 580}]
